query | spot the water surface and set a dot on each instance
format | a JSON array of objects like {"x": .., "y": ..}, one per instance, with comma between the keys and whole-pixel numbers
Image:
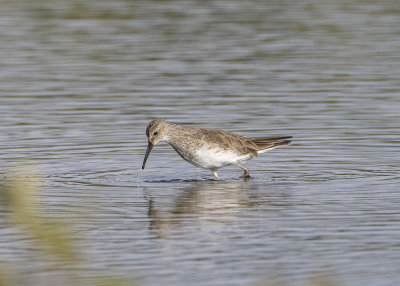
[{"x": 81, "y": 80}]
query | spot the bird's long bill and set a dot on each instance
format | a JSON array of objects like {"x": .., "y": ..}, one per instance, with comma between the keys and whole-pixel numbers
[{"x": 149, "y": 147}]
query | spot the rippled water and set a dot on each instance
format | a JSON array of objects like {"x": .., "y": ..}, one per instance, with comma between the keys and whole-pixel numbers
[{"x": 81, "y": 80}]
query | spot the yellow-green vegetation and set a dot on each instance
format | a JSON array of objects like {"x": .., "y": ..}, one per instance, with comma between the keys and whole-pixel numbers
[
  {"x": 51, "y": 240},
  {"x": 22, "y": 193}
]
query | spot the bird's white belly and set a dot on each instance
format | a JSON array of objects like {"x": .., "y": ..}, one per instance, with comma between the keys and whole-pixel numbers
[{"x": 215, "y": 158}]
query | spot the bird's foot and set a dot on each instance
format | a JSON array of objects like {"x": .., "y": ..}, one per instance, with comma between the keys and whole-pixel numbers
[
  {"x": 246, "y": 173},
  {"x": 245, "y": 176}
]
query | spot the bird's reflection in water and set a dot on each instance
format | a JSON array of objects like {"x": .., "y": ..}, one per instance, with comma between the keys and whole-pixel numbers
[{"x": 215, "y": 201}]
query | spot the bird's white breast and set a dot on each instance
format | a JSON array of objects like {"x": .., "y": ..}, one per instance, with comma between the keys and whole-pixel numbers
[{"x": 213, "y": 158}]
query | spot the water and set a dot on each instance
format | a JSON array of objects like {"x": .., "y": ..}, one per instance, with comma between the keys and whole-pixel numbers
[{"x": 81, "y": 80}]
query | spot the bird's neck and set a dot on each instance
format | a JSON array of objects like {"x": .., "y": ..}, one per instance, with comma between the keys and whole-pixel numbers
[{"x": 174, "y": 133}]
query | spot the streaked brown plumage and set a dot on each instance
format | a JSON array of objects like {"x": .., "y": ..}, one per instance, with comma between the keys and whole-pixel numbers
[{"x": 210, "y": 148}]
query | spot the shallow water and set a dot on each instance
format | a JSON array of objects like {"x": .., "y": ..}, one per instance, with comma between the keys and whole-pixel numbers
[{"x": 80, "y": 82}]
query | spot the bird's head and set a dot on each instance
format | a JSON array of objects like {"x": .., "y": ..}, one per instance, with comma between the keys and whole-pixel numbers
[{"x": 155, "y": 132}]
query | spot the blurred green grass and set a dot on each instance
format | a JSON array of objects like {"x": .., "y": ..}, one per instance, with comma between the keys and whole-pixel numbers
[{"x": 51, "y": 240}]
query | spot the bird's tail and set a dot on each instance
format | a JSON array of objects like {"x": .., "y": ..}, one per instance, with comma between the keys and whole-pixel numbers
[{"x": 269, "y": 143}]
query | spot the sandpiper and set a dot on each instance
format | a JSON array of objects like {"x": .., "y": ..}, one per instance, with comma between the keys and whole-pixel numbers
[{"x": 210, "y": 148}]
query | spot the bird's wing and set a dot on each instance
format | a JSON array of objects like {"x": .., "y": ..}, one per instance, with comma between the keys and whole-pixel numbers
[
  {"x": 264, "y": 143},
  {"x": 230, "y": 141}
]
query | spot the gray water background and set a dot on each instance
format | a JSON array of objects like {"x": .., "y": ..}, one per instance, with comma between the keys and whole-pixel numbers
[{"x": 80, "y": 80}]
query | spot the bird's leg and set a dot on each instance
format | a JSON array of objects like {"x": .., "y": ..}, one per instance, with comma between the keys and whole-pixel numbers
[
  {"x": 215, "y": 174},
  {"x": 246, "y": 173}
]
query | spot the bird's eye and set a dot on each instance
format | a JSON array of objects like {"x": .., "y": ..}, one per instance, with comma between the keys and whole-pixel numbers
[{"x": 155, "y": 133}]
